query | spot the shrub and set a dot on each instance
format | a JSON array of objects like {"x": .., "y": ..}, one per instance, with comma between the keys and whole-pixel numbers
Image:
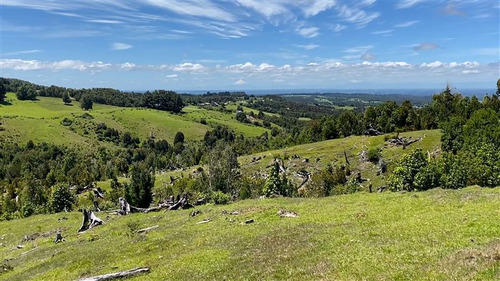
[
  {"x": 66, "y": 122},
  {"x": 62, "y": 199},
  {"x": 219, "y": 198},
  {"x": 374, "y": 155}
]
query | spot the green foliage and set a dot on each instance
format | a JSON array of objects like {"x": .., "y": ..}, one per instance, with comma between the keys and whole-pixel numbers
[
  {"x": 455, "y": 171},
  {"x": 163, "y": 100},
  {"x": 179, "y": 138},
  {"x": 66, "y": 122},
  {"x": 219, "y": 198},
  {"x": 428, "y": 177},
  {"x": 86, "y": 102},
  {"x": 277, "y": 183},
  {"x": 139, "y": 192},
  {"x": 223, "y": 169},
  {"x": 403, "y": 176},
  {"x": 241, "y": 117},
  {"x": 374, "y": 155},
  {"x": 452, "y": 138},
  {"x": 26, "y": 93},
  {"x": 66, "y": 99},
  {"x": 62, "y": 198},
  {"x": 3, "y": 90}
]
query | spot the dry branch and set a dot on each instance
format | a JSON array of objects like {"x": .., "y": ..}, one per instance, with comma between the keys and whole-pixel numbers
[{"x": 110, "y": 276}]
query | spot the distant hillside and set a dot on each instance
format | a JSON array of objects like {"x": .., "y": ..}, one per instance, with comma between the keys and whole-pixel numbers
[{"x": 41, "y": 120}]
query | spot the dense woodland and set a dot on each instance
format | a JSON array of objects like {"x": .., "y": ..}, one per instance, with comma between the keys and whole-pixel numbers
[{"x": 39, "y": 178}]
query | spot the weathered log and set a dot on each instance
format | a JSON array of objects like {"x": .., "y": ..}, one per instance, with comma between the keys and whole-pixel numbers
[
  {"x": 346, "y": 158},
  {"x": 59, "y": 238},
  {"x": 110, "y": 276},
  {"x": 147, "y": 229},
  {"x": 98, "y": 192},
  {"x": 287, "y": 214},
  {"x": 124, "y": 206},
  {"x": 90, "y": 220}
]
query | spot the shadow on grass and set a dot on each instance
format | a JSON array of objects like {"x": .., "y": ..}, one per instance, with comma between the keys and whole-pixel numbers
[
  {"x": 68, "y": 104},
  {"x": 5, "y": 103}
]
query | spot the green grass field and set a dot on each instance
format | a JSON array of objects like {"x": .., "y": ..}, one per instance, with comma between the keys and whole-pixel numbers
[
  {"x": 41, "y": 121},
  {"x": 433, "y": 235}
]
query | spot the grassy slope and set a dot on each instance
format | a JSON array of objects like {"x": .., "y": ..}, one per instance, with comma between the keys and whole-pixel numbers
[
  {"x": 434, "y": 235},
  {"x": 332, "y": 152},
  {"x": 40, "y": 121}
]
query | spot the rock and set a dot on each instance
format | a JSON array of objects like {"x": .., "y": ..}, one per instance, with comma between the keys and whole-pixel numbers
[{"x": 249, "y": 221}]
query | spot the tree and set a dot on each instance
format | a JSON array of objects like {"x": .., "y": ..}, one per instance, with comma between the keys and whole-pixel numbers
[
  {"x": 223, "y": 169},
  {"x": 163, "y": 100},
  {"x": 3, "y": 90},
  {"x": 86, "y": 103},
  {"x": 25, "y": 93},
  {"x": 498, "y": 88},
  {"x": 62, "y": 199},
  {"x": 66, "y": 99},
  {"x": 139, "y": 192},
  {"x": 452, "y": 137},
  {"x": 179, "y": 138},
  {"x": 403, "y": 176}
]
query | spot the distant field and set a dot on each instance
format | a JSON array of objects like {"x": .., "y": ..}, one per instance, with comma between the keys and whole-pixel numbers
[
  {"x": 433, "y": 235},
  {"x": 41, "y": 121}
]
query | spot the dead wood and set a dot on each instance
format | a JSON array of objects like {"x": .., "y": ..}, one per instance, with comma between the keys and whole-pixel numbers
[
  {"x": 90, "y": 220},
  {"x": 110, "y": 276},
  {"x": 287, "y": 214},
  {"x": 147, "y": 229}
]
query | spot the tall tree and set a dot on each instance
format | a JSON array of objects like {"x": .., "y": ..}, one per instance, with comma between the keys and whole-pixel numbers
[
  {"x": 86, "y": 102},
  {"x": 140, "y": 190},
  {"x": 66, "y": 99}
]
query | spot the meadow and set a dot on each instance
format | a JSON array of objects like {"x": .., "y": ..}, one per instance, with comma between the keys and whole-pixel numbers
[{"x": 434, "y": 235}]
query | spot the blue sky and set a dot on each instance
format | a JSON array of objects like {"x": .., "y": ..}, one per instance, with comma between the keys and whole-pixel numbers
[{"x": 252, "y": 44}]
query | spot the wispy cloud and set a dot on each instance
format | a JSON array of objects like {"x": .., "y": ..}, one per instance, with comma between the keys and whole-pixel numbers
[
  {"x": 425, "y": 46},
  {"x": 383, "y": 32},
  {"x": 172, "y": 76},
  {"x": 308, "y": 32},
  {"x": 104, "y": 21},
  {"x": 338, "y": 27},
  {"x": 406, "y": 24},
  {"x": 308, "y": 46},
  {"x": 451, "y": 10},
  {"x": 120, "y": 46},
  {"x": 21, "y": 52},
  {"x": 403, "y": 4},
  {"x": 368, "y": 56}
]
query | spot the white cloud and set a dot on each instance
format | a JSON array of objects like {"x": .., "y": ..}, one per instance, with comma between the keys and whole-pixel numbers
[
  {"x": 356, "y": 16},
  {"x": 104, "y": 21},
  {"x": 120, "y": 46},
  {"x": 425, "y": 46},
  {"x": 310, "y": 74},
  {"x": 21, "y": 52},
  {"x": 188, "y": 67},
  {"x": 198, "y": 8},
  {"x": 368, "y": 56},
  {"x": 358, "y": 49},
  {"x": 382, "y": 32},
  {"x": 308, "y": 32},
  {"x": 240, "y": 82},
  {"x": 339, "y": 27},
  {"x": 406, "y": 24},
  {"x": 403, "y": 4},
  {"x": 308, "y": 46}
]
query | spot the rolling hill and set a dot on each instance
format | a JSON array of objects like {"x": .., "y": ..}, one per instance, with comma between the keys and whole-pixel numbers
[{"x": 433, "y": 235}]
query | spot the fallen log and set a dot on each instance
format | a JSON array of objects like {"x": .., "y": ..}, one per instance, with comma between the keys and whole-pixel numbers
[
  {"x": 147, "y": 229},
  {"x": 110, "y": 276}
]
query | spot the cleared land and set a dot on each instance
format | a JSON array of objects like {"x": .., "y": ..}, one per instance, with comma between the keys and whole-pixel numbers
[
  {"x": 40, "y": 120},
  {"x": 433, "y": 235}
]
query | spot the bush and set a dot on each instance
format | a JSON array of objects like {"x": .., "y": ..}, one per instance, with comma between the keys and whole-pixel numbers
[
  {"x": 403, "y": 176},
  {"x": 66, "y": 122},
  {"x": 203, "y": 121},
  {"x": 219, "y": 198},
  {"x": 374, "y": 155},
  {"x": 62, "y": 199}
]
